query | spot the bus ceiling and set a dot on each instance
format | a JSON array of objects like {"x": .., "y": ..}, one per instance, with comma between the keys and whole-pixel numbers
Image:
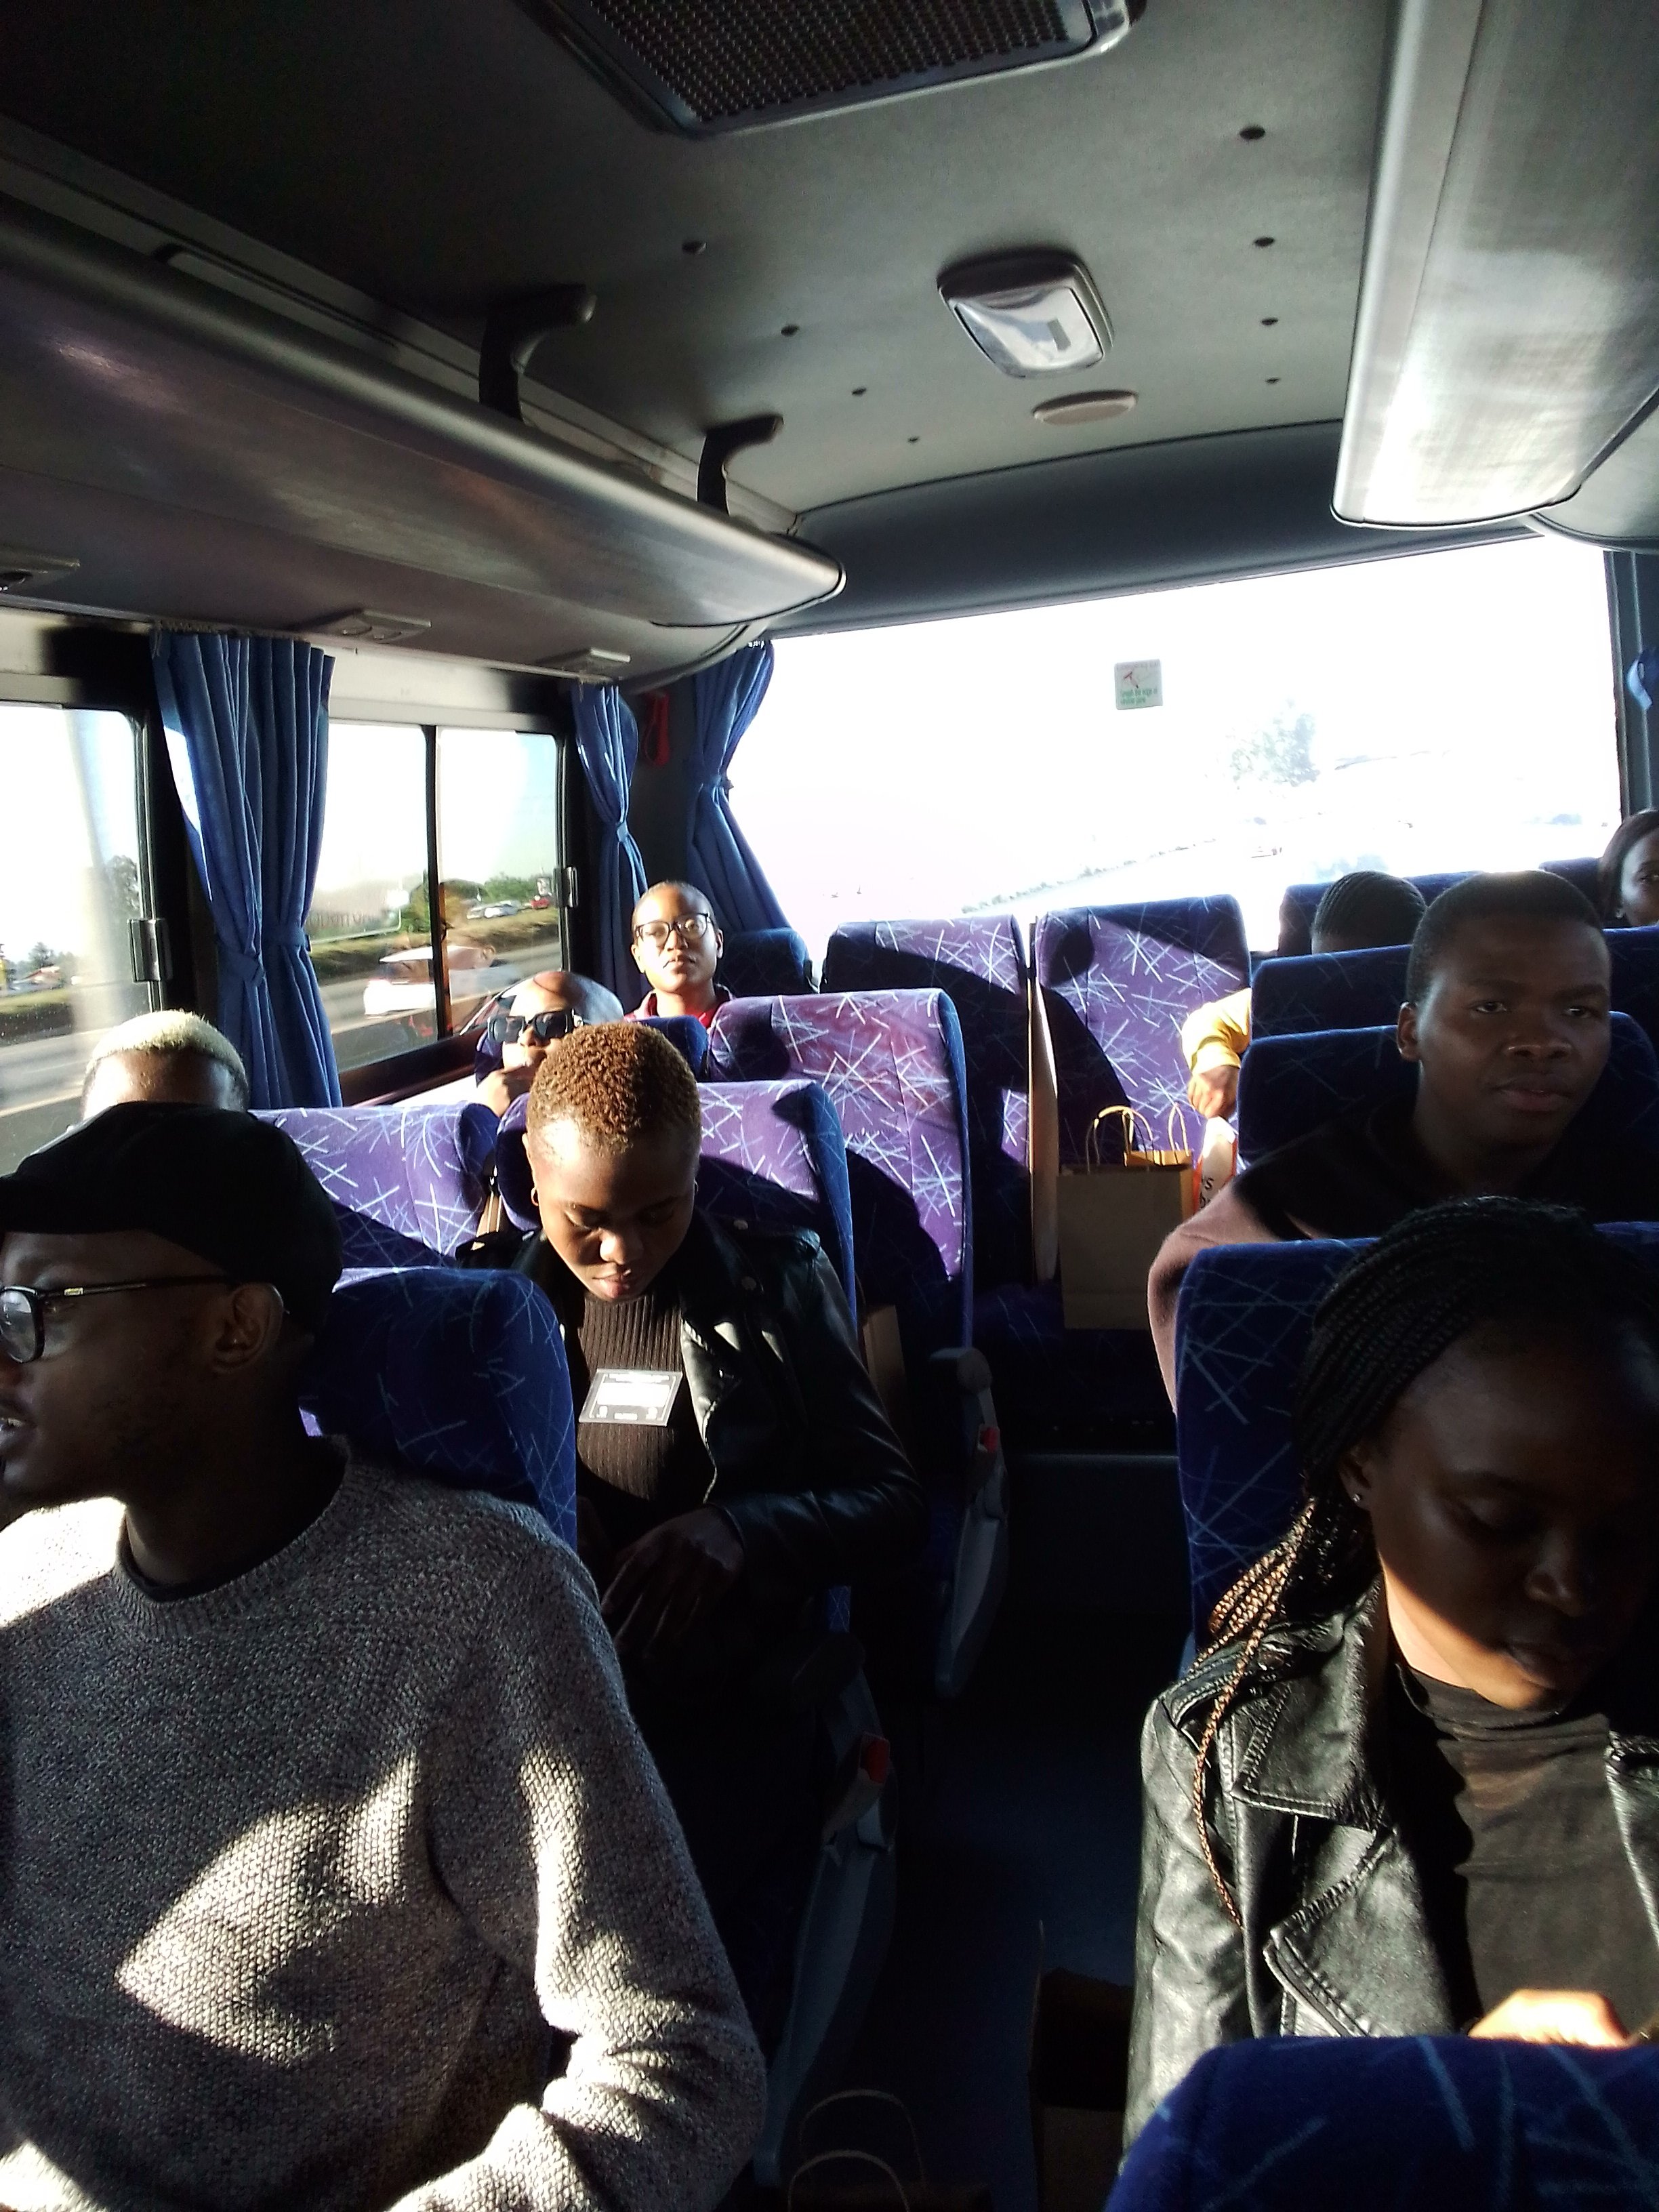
[{"x": 250, "y": 257}]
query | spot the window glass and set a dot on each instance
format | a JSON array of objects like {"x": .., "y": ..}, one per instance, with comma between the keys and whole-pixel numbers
[
  {"x": 69, "y": 885},
  {"x": 1427, "y": 712},
  {"x": 499, "y": 848},
  {"x": 370, "y": 926}
]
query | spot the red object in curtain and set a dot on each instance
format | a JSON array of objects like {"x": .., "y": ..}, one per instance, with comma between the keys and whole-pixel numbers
[{"x": 651, "y": 712}]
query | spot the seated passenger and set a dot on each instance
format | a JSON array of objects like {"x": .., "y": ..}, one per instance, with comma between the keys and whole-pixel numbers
[
  {"x": 1355, "y": 913},
  {"x": 676, "y": 948},
  {"x": 734, "y": 1464},
  {"x": 335, "y": 1871},
  {"x": 175, "y": 1059},
  {"x": 1409, "y": 1788},
  {"x": 546, "y": 1006},
  {"x": 1627, "y": 873},
  {"x": 1506, "y": 1019}
]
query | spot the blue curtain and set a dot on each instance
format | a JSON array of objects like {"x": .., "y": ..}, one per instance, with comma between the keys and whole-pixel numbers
[
  {"x": 246, "y": 724},
  {"x": 608, "y": 742},
  {"x": 728, "y": 698}
]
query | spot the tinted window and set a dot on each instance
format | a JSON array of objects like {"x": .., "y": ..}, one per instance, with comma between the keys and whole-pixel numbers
[
  {"x": 499, "y": 848},
  {"x": 69, "y": 883}
]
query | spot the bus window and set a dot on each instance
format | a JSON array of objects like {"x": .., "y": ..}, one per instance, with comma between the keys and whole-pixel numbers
[
  {"x": 69, "y": 884},
  {"x": 500, "y": 846},
  {"x": 1432, "y": 711},
  {"x": 369, "y": 924}
]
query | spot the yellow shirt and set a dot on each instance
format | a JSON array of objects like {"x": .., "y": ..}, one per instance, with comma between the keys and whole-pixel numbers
[{"x": 1216, "y": 1035}]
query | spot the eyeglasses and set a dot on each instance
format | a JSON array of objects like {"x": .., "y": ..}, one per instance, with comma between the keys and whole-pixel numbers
[
  {"x": 690, "y": 929},
  {"x": 23, "y": 1309},
  {"x": 508, "y": 1029}
]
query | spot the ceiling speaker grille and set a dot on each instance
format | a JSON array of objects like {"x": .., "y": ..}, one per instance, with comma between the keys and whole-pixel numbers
[{"x": 708, "y": 65}]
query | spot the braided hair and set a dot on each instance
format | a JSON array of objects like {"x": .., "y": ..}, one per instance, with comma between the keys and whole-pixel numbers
[{"x": 1503, "y": 1264}]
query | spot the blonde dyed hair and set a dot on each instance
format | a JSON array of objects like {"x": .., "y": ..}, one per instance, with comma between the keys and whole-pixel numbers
[{"x": 618, "y": 1085}]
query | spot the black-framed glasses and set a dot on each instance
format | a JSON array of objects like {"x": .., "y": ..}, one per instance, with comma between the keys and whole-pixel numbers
[
  {"x": 23, "y": 1309},
  {"x": 508, "y": 1029},
  {"x": 690, "y": 929}
]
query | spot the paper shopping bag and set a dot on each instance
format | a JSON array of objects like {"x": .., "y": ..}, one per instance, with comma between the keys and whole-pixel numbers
[{"x": 1114, "y": 1215}]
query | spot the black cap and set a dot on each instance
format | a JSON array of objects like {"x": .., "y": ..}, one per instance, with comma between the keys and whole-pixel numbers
[{"x": 234, "y": 1190}]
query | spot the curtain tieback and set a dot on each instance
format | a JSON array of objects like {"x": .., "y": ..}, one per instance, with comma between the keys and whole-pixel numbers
[{"x": 246, "y": 967}]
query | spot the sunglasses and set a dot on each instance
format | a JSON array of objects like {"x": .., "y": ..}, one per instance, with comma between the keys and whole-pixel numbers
[
  {"x": 690, "y": 929},
  {"x": 508, "y": 1029},
  {"x": 23, "y": 1310}
]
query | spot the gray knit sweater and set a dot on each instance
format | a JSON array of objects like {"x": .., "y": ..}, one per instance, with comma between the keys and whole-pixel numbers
[{"x": 297, "y": 1875}]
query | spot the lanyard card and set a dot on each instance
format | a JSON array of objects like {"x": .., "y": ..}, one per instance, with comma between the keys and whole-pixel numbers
[{"x": 632, "y": 1397}]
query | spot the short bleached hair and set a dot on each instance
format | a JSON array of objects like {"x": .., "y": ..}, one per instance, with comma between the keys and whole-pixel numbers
[
  {"x": 618, "y": 1085},
  {"x": 165, "y": 1033}
]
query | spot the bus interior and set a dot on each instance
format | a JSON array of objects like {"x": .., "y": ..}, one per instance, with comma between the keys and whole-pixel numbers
[{"x": 1126, "y": 458}]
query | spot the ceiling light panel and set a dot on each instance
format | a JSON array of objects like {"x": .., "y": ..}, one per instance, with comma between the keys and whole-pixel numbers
[
  {"x": 1030, "y": 314},
  {"x": 1508, "y": 332},
  {"x": 699, "y": 67}
]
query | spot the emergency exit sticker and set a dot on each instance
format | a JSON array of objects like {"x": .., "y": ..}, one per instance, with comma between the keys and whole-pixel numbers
[{"x": 1140, "y": 683}]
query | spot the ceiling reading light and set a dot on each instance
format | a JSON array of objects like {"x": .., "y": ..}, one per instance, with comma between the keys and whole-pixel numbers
[
  {"x": 1032, "y": 314},
  {"x": 366, "y": 626},
  {"x": 1083, "y": 407},
  {"x": 590, "y": 663},
  {"x": 1507, "y": 337}
]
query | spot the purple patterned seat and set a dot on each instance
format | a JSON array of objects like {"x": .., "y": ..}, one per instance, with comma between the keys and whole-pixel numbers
[
  {"x": 1118, "y": 981},
  {"x": 409, "y": 1182},
  {"x": 773, "y": 1154},
  {"x": 891, "y": 1062},
  {"x": 978, "y": 961}
]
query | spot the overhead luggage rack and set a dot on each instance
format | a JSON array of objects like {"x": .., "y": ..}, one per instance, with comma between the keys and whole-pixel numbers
[{"x": 212, "y": 463}]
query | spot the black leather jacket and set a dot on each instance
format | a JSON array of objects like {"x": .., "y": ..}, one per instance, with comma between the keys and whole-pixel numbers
[
  {"x": 806, "y": 1465},
  {"x": 1336, "y": 1938}
]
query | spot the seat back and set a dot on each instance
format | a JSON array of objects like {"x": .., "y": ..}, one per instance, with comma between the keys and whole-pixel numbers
[
  {"x": 1582, "y": 874},
  {"x": 755, "y": 963},
  {"x": 462, "y": 1376},
  {"x": 1634, "y": 955},
  {"x": 1290, "y": 1084},
  {"x": 1328, "y": 991},
  {"x": 1372, "y": 2123},
  {"x": 409, "y": 1182},
  {"x": 1245, "y": 1316},
  {"x": 773, "y": 1154},
  {"x": 1117, "y": 982},
  {"x": 978, "y": 961},
  {"x": 685, "y": 1033},
  {"x": 891, "y": 1063}
]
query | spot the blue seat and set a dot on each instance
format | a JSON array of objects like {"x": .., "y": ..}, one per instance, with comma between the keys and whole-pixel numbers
[
  {"x": 685, "y": 1033},
  {"x": 891, "y": 1062},
  {"x": 1289, "y": 1085},
  {"x": 1117, "y": 983},
  {"x": 1436, "y": 2124},
  {"x": 1635, "y": 954},
  {"x": 409, "y": 1182},
  {"x": 978, "y": 961},
  {"x": 1582, "y": 874},
  {"x": 760, "y": 963},
  {"x": 462, "y": 1376},
  {"x": 1328, "y": 991},
  {"x": 1244, "y": 1319},
  {"x": 773, "y": 1154}
]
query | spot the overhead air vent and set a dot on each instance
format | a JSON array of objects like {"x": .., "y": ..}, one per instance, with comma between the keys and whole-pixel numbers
[
  {"x": 32, "y": 572},
  {"x": 690, "y": 66}
]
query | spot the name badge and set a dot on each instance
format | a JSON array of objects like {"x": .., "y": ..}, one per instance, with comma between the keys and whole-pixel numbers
[{"x": 632, "y": 1397}]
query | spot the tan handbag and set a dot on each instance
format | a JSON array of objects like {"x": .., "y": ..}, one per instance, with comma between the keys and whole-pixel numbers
[{"x": 1113, "y": 1216}]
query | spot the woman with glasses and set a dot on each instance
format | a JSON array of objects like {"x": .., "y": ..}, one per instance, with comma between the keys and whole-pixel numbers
[
  {"x": 528, "y": 1019},
  {"x": 676, "y": 948}
]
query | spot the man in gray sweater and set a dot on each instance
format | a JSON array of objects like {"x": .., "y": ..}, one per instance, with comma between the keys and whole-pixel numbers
[{"x": 332, "y": 1871}]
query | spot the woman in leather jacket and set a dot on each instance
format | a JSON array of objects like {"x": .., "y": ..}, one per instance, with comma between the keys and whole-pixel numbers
[
  {"x": 734, "y": 1464},
  {"x": 1412, "y": 1786}
]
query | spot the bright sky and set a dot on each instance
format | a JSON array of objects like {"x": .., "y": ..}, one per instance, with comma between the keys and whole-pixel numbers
[
  {"x": 68, "y": 802},
  {"x": 1463, "y": 710}
]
